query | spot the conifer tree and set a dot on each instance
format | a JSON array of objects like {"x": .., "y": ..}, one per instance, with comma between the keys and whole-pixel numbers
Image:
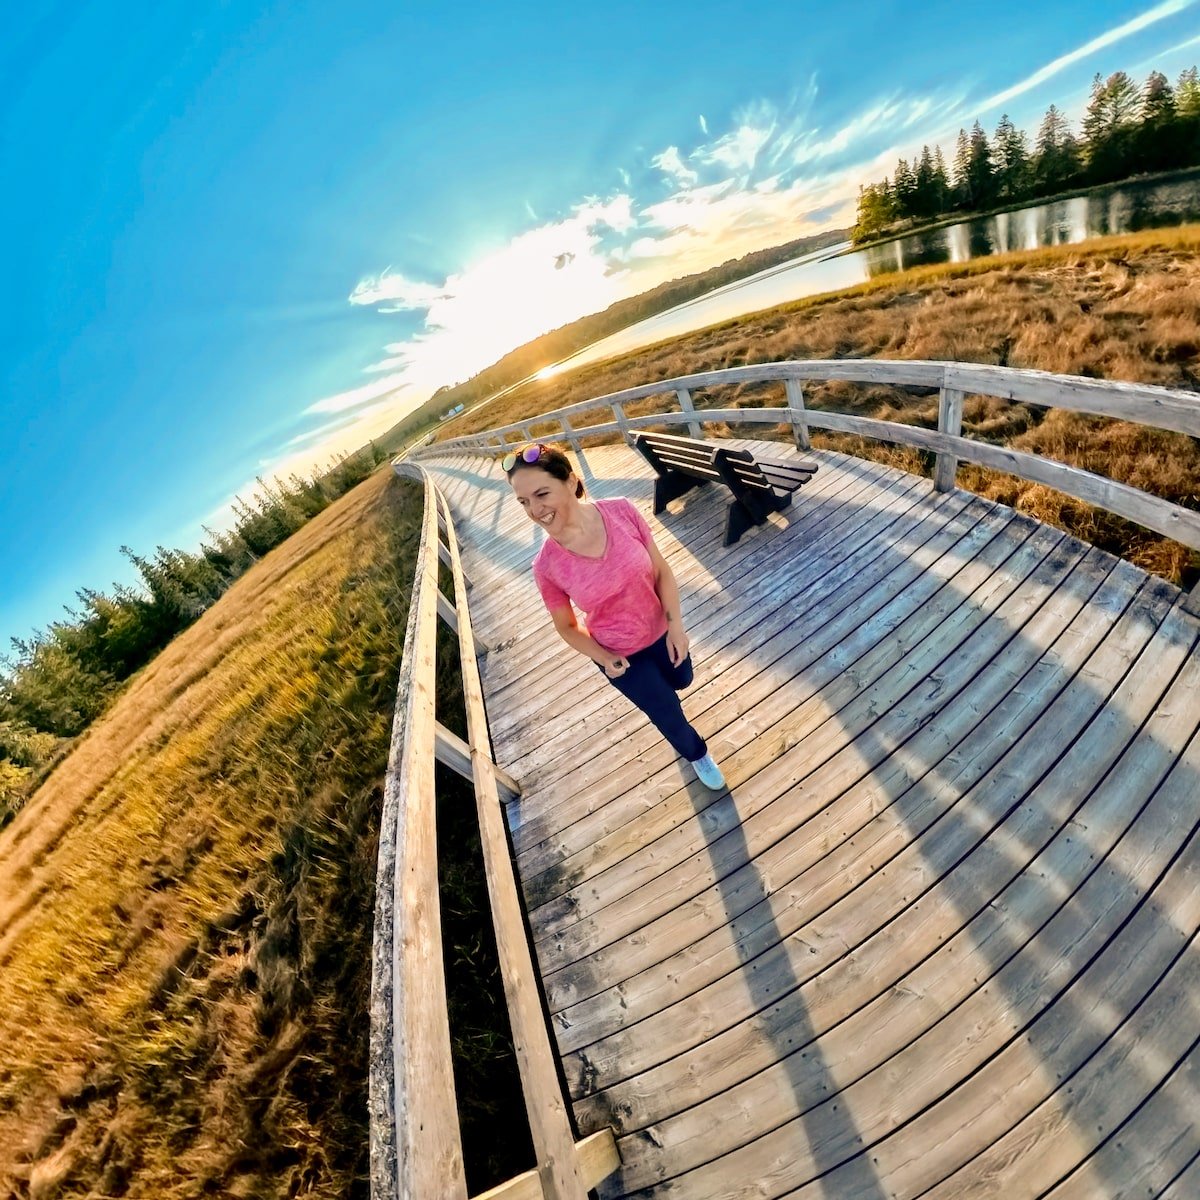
[
  {"x": 1050, "y": 168},
  {"x": 981, "y": 183},
  {"x": 941, "y": 182},
  {"x": 1012, "y": 160},
  {"x": 1109, "y": 127},
  {"x": 962, "y": 170},
  {"x": 1154, "y": 144},
  {"x": 904, "y": 188},
  {"x": 1187, "y": 118},
  {"x": 925, "y": 197}
]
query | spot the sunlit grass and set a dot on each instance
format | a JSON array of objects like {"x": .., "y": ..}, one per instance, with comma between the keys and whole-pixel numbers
[
  {"x": 1121, "y": 308},
  {"x": 185, "y": 903}
]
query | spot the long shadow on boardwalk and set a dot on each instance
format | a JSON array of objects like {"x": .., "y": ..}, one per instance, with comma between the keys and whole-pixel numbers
[{"x": 1054, "y": 866}]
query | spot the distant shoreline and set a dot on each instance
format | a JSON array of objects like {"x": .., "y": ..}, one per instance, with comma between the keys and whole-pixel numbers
[{"x": 1099, "y": 189}]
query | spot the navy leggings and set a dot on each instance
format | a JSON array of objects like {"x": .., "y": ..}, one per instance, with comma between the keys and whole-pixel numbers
[{"x": 651, "y": 682}]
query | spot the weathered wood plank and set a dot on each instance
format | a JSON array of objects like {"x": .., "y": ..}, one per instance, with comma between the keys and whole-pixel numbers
[
  {"x": 558, "y": 1166},
  {"x": 851, "y": 921},
  {"x": 428, "y": 1148},
  {"x": 912, "y": 806},
  {"x": 941, "y": 869},
  {"x": 947, "y": 620}
]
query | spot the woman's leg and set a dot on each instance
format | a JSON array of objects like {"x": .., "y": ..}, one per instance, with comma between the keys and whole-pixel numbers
[{"x": 651, "y": 682}]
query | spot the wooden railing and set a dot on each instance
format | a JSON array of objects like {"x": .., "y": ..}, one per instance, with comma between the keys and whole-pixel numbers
[
  {"x": 416, "y": 1146},
  {"x": 1159, "y": 407}
]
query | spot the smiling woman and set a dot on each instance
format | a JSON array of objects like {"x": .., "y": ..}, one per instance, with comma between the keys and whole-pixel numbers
[{"x": 601, "y": 558}]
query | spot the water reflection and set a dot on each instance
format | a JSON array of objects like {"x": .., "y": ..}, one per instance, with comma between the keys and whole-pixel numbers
[
  {"x": 1129, "y": 208},
  {"x": 1123, "y": 210}
]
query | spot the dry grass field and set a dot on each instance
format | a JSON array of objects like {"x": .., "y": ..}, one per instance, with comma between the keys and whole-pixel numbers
[
  {"x": 186, "y": 903},
  {"x": 1120, "y": 308}
]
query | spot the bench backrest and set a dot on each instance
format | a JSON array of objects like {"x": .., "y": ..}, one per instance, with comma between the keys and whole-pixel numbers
[
  {"x": 764, "y": 474},
  {"x": 680, "y": 454}
]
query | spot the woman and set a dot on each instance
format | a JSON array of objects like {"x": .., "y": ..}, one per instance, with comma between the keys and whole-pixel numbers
[{"x": 602, "y": 559}]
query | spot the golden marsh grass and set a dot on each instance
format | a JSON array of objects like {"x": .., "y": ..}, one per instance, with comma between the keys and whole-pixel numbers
[
  {"x": 185, "y": 904},
  {"x": 1121, "y": 308}
]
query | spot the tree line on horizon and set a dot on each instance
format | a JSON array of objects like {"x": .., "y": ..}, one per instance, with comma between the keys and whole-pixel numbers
[
  {"x": 57, "y": 681},
  {"x": 1125, "y": 131},
  {"x": 526, "y": 360}
]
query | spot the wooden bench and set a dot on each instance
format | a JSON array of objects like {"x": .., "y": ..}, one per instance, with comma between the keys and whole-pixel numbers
[{"x": 759, "y": 485}]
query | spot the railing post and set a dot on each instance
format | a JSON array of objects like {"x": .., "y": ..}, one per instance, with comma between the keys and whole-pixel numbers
[
  {"x": 449, "y": 615},
  {"x": 409, "y": 1019},
  {"x": 796, "y": 417},
  {"x": 444, "y": 555},
  {"x": 622, "y": 421},
  {"x": 570, "y": 434},
  {"x": 685, "y": 403},
  {"x": 950, "y": 409},
  {"x": 1191, "y": 602},
  {"x": 446, "y": 611}
]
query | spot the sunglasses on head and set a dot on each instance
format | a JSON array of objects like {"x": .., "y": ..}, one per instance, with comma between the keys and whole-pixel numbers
[{"x": 529, "y": 454}]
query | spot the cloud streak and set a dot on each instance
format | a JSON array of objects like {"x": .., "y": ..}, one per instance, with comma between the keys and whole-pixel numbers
[
  {"x": 1159, "y": 12},
  {"x": 775, "y": 172}
]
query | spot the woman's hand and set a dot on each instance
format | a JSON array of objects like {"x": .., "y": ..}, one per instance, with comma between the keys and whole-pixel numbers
[
  {"x": 677, "y": 644},
  {"x": 615, "y": 666}
]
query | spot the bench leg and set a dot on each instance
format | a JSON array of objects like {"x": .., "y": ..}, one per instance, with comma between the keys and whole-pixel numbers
[
  {"x": 742, "y": 514},
  {"x": 738, "y": 518},
  {"x": 672, "y": 485}
]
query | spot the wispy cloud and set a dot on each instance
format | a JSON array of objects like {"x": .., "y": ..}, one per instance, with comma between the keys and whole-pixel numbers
[
  {"x": 1168, "y": 8},
  {"x": 357, "y": 397},
  {"x": 1183, "y": 45},
  {"x": 775, "y": 172},
  {"x": 404, "y": 294},
  {"x": 673, "y": 166},
  {"x": 543, "y": 278}
]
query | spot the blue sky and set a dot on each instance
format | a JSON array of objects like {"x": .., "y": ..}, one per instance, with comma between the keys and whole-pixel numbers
[{"x": 240, "y": 237}]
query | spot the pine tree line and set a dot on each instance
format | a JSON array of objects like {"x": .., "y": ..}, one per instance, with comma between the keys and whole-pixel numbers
[
  {"x": 1125, "y": 131},
  {"x": 56, "y": 682}
]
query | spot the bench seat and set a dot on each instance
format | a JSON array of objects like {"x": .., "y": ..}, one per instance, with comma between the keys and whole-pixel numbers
[{"x": 759, "y": 485}]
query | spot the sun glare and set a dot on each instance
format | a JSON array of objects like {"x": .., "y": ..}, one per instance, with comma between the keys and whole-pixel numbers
[{"x": 548, "y": 372}]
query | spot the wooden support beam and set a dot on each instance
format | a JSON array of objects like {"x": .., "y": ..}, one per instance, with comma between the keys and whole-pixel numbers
[
  {"x": 446, "y": 611},
  {"x": 451, "y": 751},
  {"x": 598, "y": 1159},
  {"x": 444, "y": 555},
  {"x": 685, "y": 403},
  {"x": 448, "y": 614},
  {"x": 571, "y": 436},
  {"x": 950, "y": 408},
  {"x": 622, "y": 422},
  {"x": 797, "y": 416}
]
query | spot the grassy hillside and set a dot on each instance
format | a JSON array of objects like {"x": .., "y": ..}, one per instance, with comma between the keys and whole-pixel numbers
[
  {"x": 186, "y": 902},
  {"x": 1117, "y": 308}
]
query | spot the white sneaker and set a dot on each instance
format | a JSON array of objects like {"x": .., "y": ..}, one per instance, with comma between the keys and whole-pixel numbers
[{"x": 709, "y": 773}]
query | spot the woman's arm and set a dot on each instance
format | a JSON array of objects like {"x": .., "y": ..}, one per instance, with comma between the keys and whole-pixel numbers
[
  {"x": 568, "y": 629},
  {"x": 668, "y": 592}
]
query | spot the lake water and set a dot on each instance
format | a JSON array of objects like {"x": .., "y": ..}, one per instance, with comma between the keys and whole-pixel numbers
[{"x": 1119, "y": 210}]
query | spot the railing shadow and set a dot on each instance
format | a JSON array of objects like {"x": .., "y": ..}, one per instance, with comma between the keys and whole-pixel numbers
[{"x": 974, "y": 826}]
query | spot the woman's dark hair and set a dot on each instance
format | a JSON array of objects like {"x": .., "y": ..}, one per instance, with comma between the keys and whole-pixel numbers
[{"x": 554, "y": 462}]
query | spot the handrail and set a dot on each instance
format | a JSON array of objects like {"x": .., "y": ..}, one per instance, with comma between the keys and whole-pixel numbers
[
  {"x": 1162, "y": 408},
  {"x": 416, "y": 1149}
]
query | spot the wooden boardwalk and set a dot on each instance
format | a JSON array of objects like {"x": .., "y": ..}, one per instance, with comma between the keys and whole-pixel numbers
[{"x": 938, "y": 938}]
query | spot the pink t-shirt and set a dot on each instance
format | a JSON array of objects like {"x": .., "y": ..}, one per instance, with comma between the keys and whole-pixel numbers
[{"x": 615, "y": 592}]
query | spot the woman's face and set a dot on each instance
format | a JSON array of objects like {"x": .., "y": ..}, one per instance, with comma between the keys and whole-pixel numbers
[{"x": 548, "y": 501}]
